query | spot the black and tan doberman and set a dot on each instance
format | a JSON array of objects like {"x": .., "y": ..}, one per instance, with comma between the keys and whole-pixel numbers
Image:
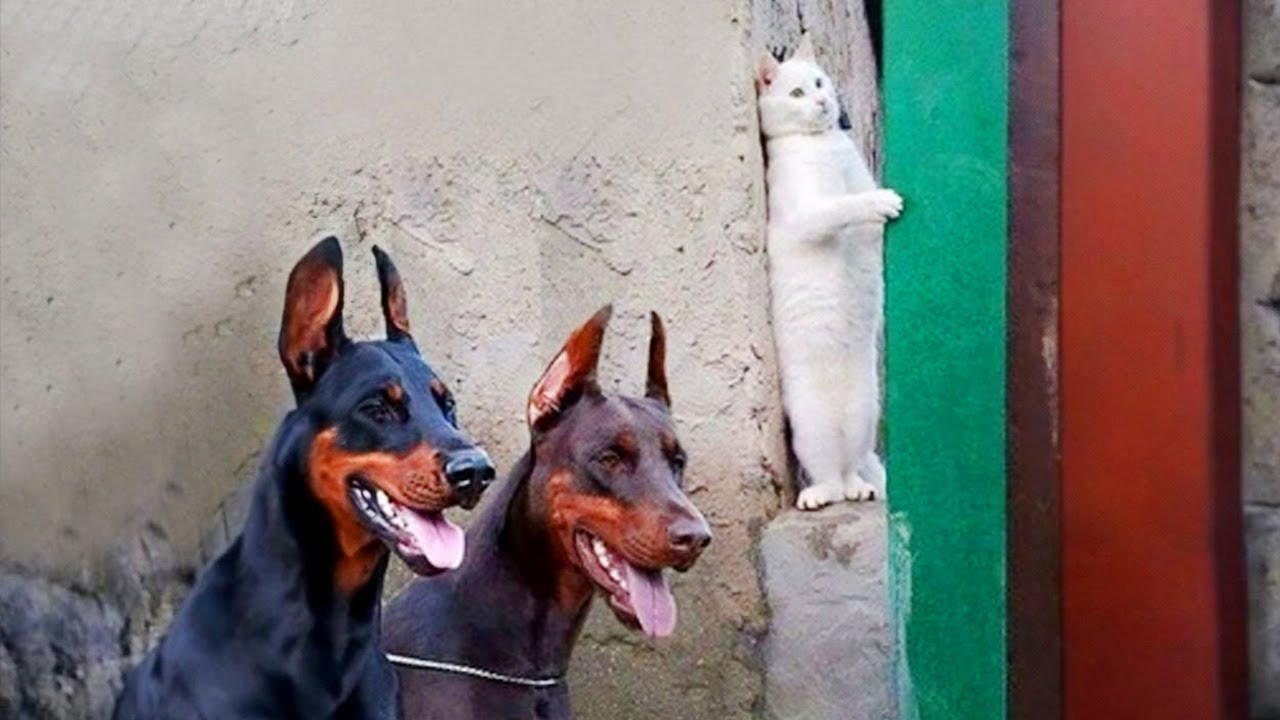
[
  {"x": 596, "y": 505},
  {"x": 285, "y": 623}
]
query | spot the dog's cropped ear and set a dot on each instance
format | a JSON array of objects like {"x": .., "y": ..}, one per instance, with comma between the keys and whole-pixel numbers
[
  {"x": 766, "y": 71},
  {"x": 804, "y": 51},
  {"x": 572, "y": 373},
  {"x": 311, "y": 333},
  {"x": 394, "y": 308},
  {"x": 655, "y": 385}
]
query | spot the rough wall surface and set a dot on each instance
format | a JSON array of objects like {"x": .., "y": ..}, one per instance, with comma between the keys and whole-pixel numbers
[
  {"x": 162, "y": 167},
  {"x": 1260, "y": 335},
  {"x": 61, "y": 655},
  {"x": 64, "y": 649}
]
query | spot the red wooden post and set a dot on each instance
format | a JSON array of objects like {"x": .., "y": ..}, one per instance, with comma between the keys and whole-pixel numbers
[{"x": 1152, "y": 578}]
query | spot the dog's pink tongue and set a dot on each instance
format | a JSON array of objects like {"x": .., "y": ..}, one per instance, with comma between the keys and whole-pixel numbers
[
  {"x": 442, "y": 542},
  {"x": 652, "y": 600}
]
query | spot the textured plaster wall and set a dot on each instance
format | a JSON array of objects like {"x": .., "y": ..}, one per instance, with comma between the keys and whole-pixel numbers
[
  {"x": 163, "y": 169},
  {"x": 1260, "y": 335},
  {"x": 162, "y": 166}
]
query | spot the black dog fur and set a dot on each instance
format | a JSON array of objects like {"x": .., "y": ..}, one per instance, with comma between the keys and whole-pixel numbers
[{"x": 285, "y": 623}]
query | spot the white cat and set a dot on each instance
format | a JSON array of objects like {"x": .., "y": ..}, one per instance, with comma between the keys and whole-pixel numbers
[{"x": 825, "y": 235}]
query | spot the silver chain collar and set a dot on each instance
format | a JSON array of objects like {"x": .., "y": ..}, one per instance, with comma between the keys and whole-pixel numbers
[{"x": 421, "y": 664}]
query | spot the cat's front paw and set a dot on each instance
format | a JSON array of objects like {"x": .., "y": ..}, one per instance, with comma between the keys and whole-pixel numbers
[
  {"x": 819, "y": 496},
  {"x": 857, "y": 489},
  {"x": 885, "y": 204}
]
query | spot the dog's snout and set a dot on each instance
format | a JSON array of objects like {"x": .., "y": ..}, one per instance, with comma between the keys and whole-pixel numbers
[
  {"x": 468, "y": 472},
  {"x": 689, "y": 536}
]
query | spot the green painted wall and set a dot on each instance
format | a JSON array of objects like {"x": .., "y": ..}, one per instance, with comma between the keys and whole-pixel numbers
[{"x": 946, "y": 75}]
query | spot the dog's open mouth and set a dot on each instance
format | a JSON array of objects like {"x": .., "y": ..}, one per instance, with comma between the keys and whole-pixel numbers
[
  {"x": 639, "y": 597},
  {"x": 426, "y": 541}
]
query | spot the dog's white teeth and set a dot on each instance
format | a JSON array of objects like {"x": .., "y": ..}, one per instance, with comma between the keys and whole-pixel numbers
[
  {"x": 611, "y": 567},
  {"x": 385, "y": 504},
  {"x": 603, "y": 555}
]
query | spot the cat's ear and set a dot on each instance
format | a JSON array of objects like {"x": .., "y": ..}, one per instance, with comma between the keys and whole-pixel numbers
[
  {"x": 804, "y": 51},
  {"x": 766, "y": 71}
]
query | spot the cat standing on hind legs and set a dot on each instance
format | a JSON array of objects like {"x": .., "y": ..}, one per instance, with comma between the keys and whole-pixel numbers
[{"x": 825, "y": 237}]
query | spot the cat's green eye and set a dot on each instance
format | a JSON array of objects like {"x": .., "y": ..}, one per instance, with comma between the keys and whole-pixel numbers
[{"x": 798, "y": 92}]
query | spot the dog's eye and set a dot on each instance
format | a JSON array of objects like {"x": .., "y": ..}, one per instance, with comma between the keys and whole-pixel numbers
[
  {"x": 445, "y": 400},
  {"x": 610, "y": 459},
  {"x": 449, "y": 408},
  {"x": 678, "y": 462},
  {"x": 817, "y": 82},
  {"x": 798, "y": 92},
  {"x": 377, "y": 410}
]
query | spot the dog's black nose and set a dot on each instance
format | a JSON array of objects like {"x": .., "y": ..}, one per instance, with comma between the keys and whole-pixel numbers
[
  {"x": 469, "y": 472},
  {"x": 689, "y": 536}
]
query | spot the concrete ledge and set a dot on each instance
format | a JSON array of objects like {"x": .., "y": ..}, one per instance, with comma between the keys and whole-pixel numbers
[{"x": 829, "y": 652}]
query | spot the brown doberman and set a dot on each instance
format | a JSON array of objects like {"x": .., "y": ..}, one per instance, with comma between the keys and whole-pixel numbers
[
  {"x": 284, "y": 624},
  {"x": 595, "y": 505}
]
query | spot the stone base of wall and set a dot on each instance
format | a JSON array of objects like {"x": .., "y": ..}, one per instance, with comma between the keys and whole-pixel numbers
[
  {"x": 64, "y": 651},
  {"x": 829, "y": 652},
  {"x": 1262, "y": 530}
]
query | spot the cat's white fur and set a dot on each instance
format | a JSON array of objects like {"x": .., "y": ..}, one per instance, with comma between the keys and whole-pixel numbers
[{"x": 825, "y": 235}]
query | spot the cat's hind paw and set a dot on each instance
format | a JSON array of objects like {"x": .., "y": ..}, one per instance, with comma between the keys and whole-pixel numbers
[
  {"x": 885, "y": 204},
  {"x": 819, "y": 496},
  {"x": 857, "y": 490}
]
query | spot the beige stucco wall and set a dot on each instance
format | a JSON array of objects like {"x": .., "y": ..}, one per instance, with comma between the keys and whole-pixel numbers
[
  {"x": 1260, "y": 344},
  {"x": 162, "y": 166},
  {"x": 523, "y": 162}
]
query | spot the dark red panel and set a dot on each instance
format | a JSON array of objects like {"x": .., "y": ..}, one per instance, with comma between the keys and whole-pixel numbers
[{"x": 1152, "y": 617}]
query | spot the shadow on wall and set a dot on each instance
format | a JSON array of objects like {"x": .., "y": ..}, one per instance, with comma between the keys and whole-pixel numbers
[
  {"x": 124, "y": 447},
  {"x": 128, "y": 452}
]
